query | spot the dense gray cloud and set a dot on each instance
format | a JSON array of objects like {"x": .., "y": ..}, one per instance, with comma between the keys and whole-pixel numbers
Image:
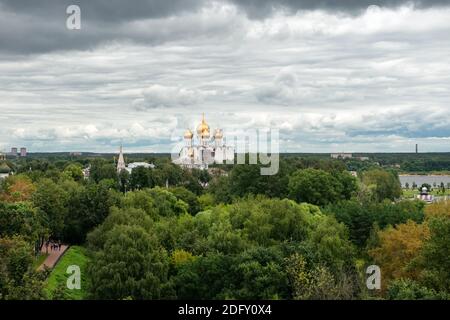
[
  {"x": 29, "y": 26},
  {"x": 263, "y": 8},
  {"x": 141, "y": 74},
  {"x": 104, "y": 11},
  {"x": 157, "y": 96},
  {"x": 40, "y": 26}
]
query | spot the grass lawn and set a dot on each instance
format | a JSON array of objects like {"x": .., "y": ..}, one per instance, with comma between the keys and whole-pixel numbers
[
  {"x": 408, "y": 193},
  {"x": 75, "y": 255},
  {"x": 411, "y": 193}
]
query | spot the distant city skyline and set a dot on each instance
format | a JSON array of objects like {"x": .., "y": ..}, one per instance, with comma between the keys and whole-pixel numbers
[{"x": 330, "y": 77}]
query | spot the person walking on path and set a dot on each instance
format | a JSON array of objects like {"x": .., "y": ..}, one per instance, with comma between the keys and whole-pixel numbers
[{"x": 53, "y": 257}]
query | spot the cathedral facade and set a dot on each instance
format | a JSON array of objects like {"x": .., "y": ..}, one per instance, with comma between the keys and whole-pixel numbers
[{"x": 204, "y": 149}]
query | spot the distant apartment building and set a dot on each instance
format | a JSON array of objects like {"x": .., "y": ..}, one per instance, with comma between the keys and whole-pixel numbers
[
  {"x": 341, "y": 156},
  {"x": 23, "y": 152},
  {"x": 13, "y": 152},
  {"x": 76, "y": 154}
]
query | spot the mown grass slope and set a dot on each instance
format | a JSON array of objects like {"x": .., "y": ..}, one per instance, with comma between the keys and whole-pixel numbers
[{"x": 56, "y": 287}]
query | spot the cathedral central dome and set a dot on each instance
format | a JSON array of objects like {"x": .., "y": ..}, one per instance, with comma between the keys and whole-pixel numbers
[{"x": 203, "y": 129}]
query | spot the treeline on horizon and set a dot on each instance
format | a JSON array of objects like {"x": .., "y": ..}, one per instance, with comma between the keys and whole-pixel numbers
[
  {"x": 421, "y": 163},
  {"x": 308, "y": 232}
]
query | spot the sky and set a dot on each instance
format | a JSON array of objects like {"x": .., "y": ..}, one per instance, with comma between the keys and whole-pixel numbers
[{"x": 330, "y": 76}]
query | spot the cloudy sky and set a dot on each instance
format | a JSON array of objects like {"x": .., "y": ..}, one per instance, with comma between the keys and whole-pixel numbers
[{"x": 351, "y": 75}]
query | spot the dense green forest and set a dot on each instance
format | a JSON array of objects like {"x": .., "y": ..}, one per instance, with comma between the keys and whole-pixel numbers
[{"x": 308, "y": 232}]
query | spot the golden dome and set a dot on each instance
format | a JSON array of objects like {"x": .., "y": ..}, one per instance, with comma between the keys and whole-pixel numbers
[
  {"x": 205, "y": 134},
  {"x": 218, "y": 134},
  {"x": 203, "y": 128},
  {"x": 188, "y": 134}
]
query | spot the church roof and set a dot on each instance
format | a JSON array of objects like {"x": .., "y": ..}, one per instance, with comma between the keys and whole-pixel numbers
[
  {"x": 121, "y": 162},
  {"x": 4, "y": 168}
]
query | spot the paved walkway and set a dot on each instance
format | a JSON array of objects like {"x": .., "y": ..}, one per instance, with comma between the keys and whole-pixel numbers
[{"x": 53, "y": 256}]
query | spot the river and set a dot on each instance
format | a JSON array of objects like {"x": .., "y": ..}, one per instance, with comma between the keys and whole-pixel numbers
[{"x": 421, "y": 179}]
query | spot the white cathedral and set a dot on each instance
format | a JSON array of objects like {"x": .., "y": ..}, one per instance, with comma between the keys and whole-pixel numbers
[{"x": 203, "y": 150}]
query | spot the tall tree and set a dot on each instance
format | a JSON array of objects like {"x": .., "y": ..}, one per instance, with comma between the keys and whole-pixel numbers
[
  {"x": 131, "y": 264},
  {"x": 398, "y": 248},
  {"x": 314, "y": 186},
  {"x": 51, "y": 201},
  {"x": 383, "y": 184}
]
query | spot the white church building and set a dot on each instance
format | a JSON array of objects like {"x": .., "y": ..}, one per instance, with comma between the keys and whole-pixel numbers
[
  {"x": 121, "y": 165},
  {"x": 203, "y": 149}
]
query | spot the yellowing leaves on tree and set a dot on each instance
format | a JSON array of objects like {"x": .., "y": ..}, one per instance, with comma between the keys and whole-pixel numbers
[
  {"x": 438, "y": 209},
  {"x": 19, "y": 188},
  {"x": 398, "y": 247},
  {"x": 180, "y": 256}
]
